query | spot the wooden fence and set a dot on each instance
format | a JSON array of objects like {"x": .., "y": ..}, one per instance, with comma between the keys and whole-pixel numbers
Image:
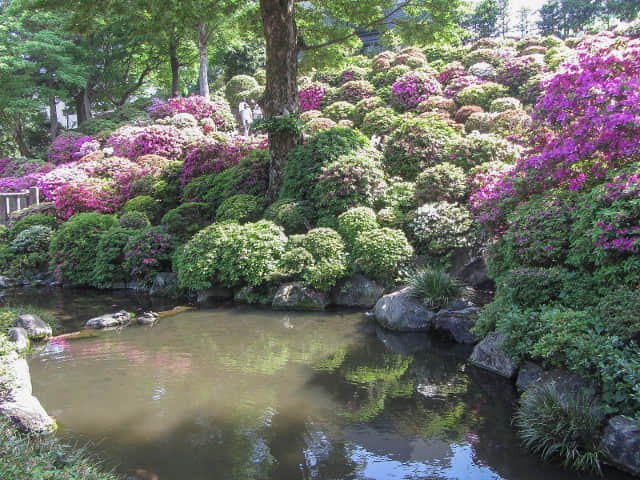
[{"x": 10, "y": 202}]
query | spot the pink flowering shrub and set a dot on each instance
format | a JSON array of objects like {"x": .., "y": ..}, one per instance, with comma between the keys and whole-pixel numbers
[
  {"x": 216, "y": 108},
  {"x": 515, "y": 72},
  {"x": 162, "y": 140},
  {"x": 311, "y": 96},
  {"x": 414, "y": 87},
  {"x": 450, "y": 71},
  {"x": 349, "y": 74},
  {"x": 457, "y": 84},
  {"x": 147, "y": 253},
  {"x": 17, "y": 175},
  {"x": 70, "y": 146},
  {"x": 355, "y": 90},
  {"x": 215, "y": 155}
]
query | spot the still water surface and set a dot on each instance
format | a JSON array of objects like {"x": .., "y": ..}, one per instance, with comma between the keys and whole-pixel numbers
[{"x": 235, "y": 393}]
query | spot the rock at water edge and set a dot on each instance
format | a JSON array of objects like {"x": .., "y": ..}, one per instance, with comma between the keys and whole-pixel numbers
[
  {"x": 295, "y": 296},
  {"x": 357, "y": 292},
  {"x": 622, "y": 441},
  {"x": 19, "y": 336},
  {"x": 488, "y": 354},
  {"x": 401, "y": 312},
  {"x": 35, "y": 327}
]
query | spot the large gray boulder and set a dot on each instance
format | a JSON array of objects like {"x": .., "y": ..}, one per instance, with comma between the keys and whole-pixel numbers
[
  {"x": 567, "y": 384},
  {"x": 295, "y": 296},
  {"x": 622, "y": 441},
  {"x": 109, "y": 320},
  {"x": 20, "y": 337},
  {"x": 16, "y": 399},
  {"x": 488, "y": 354},
  {"x": 401, "y": 312},
  {"x": 35, "y": 327},
  {"x": 357, "y": 292},
  {"x": 457, "y": 324},
  {"x": 8, "y": 282}
]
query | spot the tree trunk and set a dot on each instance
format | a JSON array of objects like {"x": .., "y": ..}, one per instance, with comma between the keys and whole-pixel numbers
[
  {"x": 175, "y": 67},
  {"x": 18, "y": 136},
  {"x": 281, "y": 91},
  {"x": 53, "y": 116},
  {"x": 81, "y": 113},
  {"x": 86, "y": 101},
  {"x": 203, "y": 49}
]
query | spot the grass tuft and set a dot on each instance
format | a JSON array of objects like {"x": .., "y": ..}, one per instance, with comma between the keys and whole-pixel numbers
[{"x": 435, "y": 288}]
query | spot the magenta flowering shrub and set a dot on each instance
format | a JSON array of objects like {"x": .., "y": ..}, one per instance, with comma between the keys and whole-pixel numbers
[
  {"x": 70, "y": 146},
  {"x": 355, "y": 90},
  {"x": 147, "y": 253},
  {"x": 17, "y": 175},
  {"x": 215, "y": 155},
  {"x": 311, "y": 96},
  {"x": 493, "y": 193},
  {"x": 414, "y": 87},
  {"x": 163, "y": 140},
  {"x": 216, "y": 108},
  {"x": 122, "y": 140},
  {"x": 92, "y": 195},
  {"x": 349, "y": 74}
]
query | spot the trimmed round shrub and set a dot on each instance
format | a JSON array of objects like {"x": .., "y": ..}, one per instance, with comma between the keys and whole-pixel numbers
[
  {"x": 380, "y": 253},
  {"x": 329, "y": 254},
  {"x": 339, "y": 110},
  {"x": 512, "y": 123},
  {"x": 457, "y": 84},
  {"x": 482, "y": 94},
  {"x": 237, "y": 84},
  {"x": 73, "y": 247},
  {"x": 478, "y": 148},
  {"x": 480, "y": 55},
  {"x": 355, "y": 90},
  {"x": 293, "y": 262},
  {"x": 451, "y": 71},
  {"x": 110, "y": 258},
  {"x": 516, "y": 71},
  {"x": 381, "y": 121},
  {"x": 33, "y": 239},
  {"x": 463, "y": 113},
  {"x": 440, "y": 227},
  {"x": 437, "y": 103},
  {"x": 400, "y": 195},
  {"x": 134, "y": 220},
  {"x": 349, "y": 74},
  {"x": 241, "y": 208},
  {"x": 534, "y": 50},
  {"x": 505, "y": 103},
  {"x": 355, "y": 221},
  {"x": 306, "y": 161},
  {"x": 183, "y": 120},
  {"x": 317, "y": 125},
  {"x": 310, "y": 114},
  {"x": 295, "y": 216},
  {"x": 388, "y": 77},
  {"x": 442, "y": 182},
  {"x": 411, "y": 56},
  {"x": 185, "y": 220},
  {"x": 144, "y": 204},
  {"x": 414, "y": 87},
  {"x": 417, "y": 144},
  {"x": 231, "y": 255},
  {"x": 163, "y": 140},
  {"x": 363, "y": 107},
  {"x": 479, "y": 122},
  {"x": 147, "y": 253},
  {"x": 531, "y": 90},
  {"x": 354, "y": 179},
  {"x": 30, "y": 221},
  {"x": 484, "y": 70}
]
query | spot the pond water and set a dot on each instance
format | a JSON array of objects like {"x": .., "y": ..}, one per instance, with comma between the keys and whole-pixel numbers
[{"x": 237, "y": 393}]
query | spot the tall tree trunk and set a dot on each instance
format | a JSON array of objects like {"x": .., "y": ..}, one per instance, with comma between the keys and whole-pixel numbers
[
  {"x": 281, "y": 91},
  {"x": 203, "y": 49},
  {"x": 18, "y": 136},
  {"x": 86, "y": 101},
  {"x": 81, "y": 112},
  {"x": 175, "y": 67},
  {"x": 53, "y": 116}
]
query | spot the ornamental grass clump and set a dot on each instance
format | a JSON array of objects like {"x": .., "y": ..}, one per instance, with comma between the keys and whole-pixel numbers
[
  {"x": 564, "y": 426},
  {"x": 435, "y": 288}
]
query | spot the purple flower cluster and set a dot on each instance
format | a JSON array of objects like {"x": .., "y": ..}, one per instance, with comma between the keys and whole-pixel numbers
[
  {"x": 216, "y": 108},
  {"x": 70, "y": 146},
  {"x": 355, "y": 90},
  {"x": 414, "y": 87},
  {"x": 457, "y": 84},
  {"x": 311, "y": 96}
]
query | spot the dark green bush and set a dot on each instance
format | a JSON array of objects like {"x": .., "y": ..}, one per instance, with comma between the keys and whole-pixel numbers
[
  {"x": 145, "y": 204},
  {"x": 444, "y": 181},
  {"x": 134, "y": 220},
  {"x": 306, "y": 161},
  {"x": 478, "y": 148},
  {"x": 185, "y": 220},
  {"x": 30, "y": 221},
  {"x": 110, "y": 258},
  {"x": 147, "y": 253},
  {"x": 292, "y": 215},
  {"x": 241, "y": 208},
  {"x": 74, "y": 247}
]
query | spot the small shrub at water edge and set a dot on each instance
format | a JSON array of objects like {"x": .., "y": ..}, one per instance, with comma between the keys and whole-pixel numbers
[{"x": 434, "y": 288}]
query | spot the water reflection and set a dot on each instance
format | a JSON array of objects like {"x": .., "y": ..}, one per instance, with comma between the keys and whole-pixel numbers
[{"x": 241, "y": 394}]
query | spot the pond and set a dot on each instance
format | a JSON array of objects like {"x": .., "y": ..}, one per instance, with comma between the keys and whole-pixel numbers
[{"x": 239, "y": 393}]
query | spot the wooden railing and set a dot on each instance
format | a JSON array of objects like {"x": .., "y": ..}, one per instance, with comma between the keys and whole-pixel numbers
[{"x": 10, "y": 202}]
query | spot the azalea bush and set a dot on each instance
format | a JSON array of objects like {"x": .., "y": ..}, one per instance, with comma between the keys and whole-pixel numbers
[
  {"x": 70, "y": 146},
  {"x": 241, "y": 208},
  {"x": 355, "y": 221},
  {"x": 295, "y": 216},
  {"x": 444, "y": 181},
  {"x": 381, "y": 252},
  {"x": 355, "y": 90},
  {"x": 311, "y": 96},
  {"x": 380, "y": 121},
  {"x": 414, "y": 87},
  {"x": 339, "y": 110},
  {"x": 440, "y": 227},
  {"x": 187, "y": 219},
  {"x": 363, "y": 107},
  {"x": 147, "y": 253},
  {"x": 482, "y": 94},
  {"x": 478, "y": 148}
]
